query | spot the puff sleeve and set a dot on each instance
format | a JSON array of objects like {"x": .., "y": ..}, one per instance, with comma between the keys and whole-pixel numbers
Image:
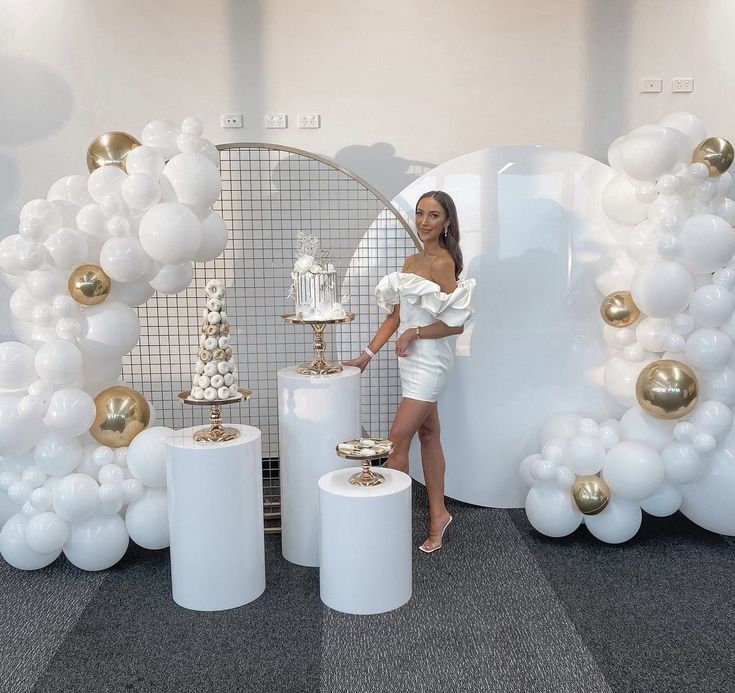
[
  {"x": 386, "y": 292},
  {"x": 452, "y": 309}
]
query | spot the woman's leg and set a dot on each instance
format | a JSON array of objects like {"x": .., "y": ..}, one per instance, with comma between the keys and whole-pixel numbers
[
  {"x": 432, "y": 461},
  {"x": 409, "y": 417}
]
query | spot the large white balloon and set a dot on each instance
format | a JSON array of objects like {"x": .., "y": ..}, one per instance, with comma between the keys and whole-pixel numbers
[
  {"x": 651, "y": 333},
  {"x": 91, "y": 221},
  {"x": 17, "y": 434},
  {"x": 46, "y": 533},
  {"x": 59, "y": 362},
  {"x": 615, "y": 272},
  {"x": 140, "y": 191},
  {"x": 665, "y": 501},
  {"x": 147, "y": 456},
  {"x": 159, "y": 135},
  {"x": 712, "y": 305},
  {"x": 682, "y": 463},
  {"x": 171, "y": 279},
  {"x": 214, "y": 238},
  {"x": 47, "y": 216},
  {"x": 57, "y": 454},
  {"x": 16, "y": 365},
  {"x": 718, "y": 385},
  {"x": 14, "y": 549},
  {"x": 620, "y": 203},
  {"x": 642, "y": 242},
  {"x": 618, "y": 522},
  {"x": 71, "y": 411},
  {"x": 123, "y": 258},
  {"x": 67, "y": 248},
  {"x": 638, "y": 426},
  {"x": 97, "y": 543},
  {"x": 145, "y": 160},
  {"x": 75, "y": 497},
  {"x": 648, "y": 152},
  {"x": 687, "y": 123},
  {"x": 585, "y": 454},
  {"x": 708, "y": 349},
  {"x": 133, "y": 293},
  {"x": 712, "y": 417},
  {"x": 170, "y": 233},
  {"x": 707, "y": 243},
  {"x": 552, "y": 511},
  {"x": 105, "y": 181},
  {"x": 620, "y": 378},
  {"x": 194, "y": 181},
  {"x": 110, "y": 329},
  {"x": 633, "y": 470},
  {"x": 46, "y": 284},
  {"x": 70, "y": 189},
  {"x": 662, "y": 288},
  {"x": 147, "y": 520}
]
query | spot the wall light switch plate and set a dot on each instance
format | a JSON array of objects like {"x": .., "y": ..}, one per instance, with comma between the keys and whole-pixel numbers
[
  {"x": 231, "y": 120},
  {"x": 310, "y": 120},
  {"x": 276, "y": 120},
  {"x": 682, "y": 84},
  {"x": 651, "y": 85}
]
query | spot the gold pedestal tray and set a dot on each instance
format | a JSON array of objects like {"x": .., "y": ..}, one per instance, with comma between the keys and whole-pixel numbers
[
  {"x": 366, "y": 450},
  {"x": 319, "y": 366},
  {"x": 216, "y": 433}
]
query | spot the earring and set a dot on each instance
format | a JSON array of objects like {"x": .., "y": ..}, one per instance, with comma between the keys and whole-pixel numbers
[{"x": 446, "y": 230}]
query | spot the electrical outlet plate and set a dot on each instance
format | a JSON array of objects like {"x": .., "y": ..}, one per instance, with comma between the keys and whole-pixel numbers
[
  {"x": 652, "y": 85},
  {"x": 276, "y": 120},
  {"x": 231, "y": 120},
  {"x": 309, "y": 120},
  {"x": 682, "y": 84}
]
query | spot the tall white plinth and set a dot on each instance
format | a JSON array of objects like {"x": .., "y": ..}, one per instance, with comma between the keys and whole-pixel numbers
[
  {"x": 215, "y": 513},
  {"x": 315, "y": 413},
  {"x": 365, "y": 542}
]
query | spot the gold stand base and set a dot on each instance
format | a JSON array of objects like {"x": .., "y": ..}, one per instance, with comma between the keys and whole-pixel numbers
[
  {"x": 216, "y": 434},
  {"x": 366, "y": 477},
  {"x": 317, "y": 367}
]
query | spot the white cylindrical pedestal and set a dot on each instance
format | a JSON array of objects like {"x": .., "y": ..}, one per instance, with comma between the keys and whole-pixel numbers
[
  {"x": 215, "y": 512},
  {"x": 365, "y": 542},
  {"x": 315, "y": 413}
]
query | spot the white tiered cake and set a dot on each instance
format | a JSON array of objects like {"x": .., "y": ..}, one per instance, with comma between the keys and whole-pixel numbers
[
  {"x": 314, "y": 287},
  {"x": 214, "y": 371}
]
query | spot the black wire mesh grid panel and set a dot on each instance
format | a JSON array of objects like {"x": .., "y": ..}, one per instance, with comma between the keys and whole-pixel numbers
[{"x": 269, "y": 194}]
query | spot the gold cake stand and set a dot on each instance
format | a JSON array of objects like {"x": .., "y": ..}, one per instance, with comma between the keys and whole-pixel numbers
[
  {"x": 216, "y": 433},
  {"x": 366, "y": 450},
  {"x": 319, "y": 366}
]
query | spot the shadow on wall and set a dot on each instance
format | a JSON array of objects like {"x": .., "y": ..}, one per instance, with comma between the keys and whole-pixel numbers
[
  {"x": 36, "y": 103},
  {"x": 379, "y": 166}
]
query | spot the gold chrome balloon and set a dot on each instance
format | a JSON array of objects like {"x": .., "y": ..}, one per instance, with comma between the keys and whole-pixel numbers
[
  {"x": 110, "y": 149},
  {"x": 716, "y": 152},
  {"x": 618, "y": 309},
  {"x": 89, "y": 284},
  {"x": 591, "y": 494},
  {"x": 667, "y": 389},
  {"x": 121, "y": 413}
]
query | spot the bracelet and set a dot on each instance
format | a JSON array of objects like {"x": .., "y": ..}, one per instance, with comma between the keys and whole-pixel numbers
[
  {"x": 418, "y": 332},
  {"x": 369, "y": 352}
]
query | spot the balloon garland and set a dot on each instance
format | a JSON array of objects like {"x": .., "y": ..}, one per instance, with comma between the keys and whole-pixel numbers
[
  {"x": 79, "y": 468},
  {"x": 669, "y": 314}
]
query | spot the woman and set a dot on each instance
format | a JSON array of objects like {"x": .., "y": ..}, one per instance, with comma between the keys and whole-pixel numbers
[{"x": 427, "y": 305}]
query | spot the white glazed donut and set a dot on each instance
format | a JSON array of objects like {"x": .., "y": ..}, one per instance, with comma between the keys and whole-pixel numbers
[
  {"x": 210, "y": 393},
  {"x": 217, "y": 381},
  {"x": 210, "y": 369},
  {"x": 223, "y": 392}
]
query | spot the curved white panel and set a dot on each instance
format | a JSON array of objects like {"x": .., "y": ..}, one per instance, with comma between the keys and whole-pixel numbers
[{"x": 532, "y": 231}]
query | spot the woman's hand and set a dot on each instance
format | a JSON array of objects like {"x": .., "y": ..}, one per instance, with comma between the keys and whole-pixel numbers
[
  {"x": 360, "y": 362},
  {"x": 404, "y": 341}
]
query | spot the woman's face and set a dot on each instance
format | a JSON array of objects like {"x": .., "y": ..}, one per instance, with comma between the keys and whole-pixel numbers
[{"x": 430, "y": 219}]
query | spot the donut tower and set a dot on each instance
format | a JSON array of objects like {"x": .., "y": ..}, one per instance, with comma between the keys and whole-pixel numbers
[{"x": 214, "y": 371}]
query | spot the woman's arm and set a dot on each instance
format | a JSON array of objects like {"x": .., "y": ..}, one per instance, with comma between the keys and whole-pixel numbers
[
  {"x": 436, "y": 330},
  {"x": 384, "y": 333}
]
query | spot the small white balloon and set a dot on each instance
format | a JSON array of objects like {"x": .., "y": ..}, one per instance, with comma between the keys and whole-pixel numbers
[
  {"x": 46, "y": 532},
  {"x": 97, "y": 543},
  {"x": 552, "y": 511},
  {"x": 75, "y": 497},
  {"x": 708, "y": 349},
  {"x": 132, "y": 490},
  {"x": 617, "y": 523},
  {"x": 147, "y": 520},
  {"x": 16, "y": 552},
  {"x": 620, "y": 203}
]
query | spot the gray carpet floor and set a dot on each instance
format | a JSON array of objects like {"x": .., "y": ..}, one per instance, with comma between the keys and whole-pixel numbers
[{"x": 499, "y": 608}]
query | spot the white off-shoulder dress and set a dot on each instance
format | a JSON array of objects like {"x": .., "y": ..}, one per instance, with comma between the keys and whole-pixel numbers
[{"x": 428, "y": 365}]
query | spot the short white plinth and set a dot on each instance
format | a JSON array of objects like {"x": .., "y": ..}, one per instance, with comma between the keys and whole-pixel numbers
[
  {"x": 215, "y": 512},
  {"x": 314, "y": 414},
  {"x": 365, "y": 542}
]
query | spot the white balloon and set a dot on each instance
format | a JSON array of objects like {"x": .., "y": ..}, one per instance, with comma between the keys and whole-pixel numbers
[
  {"x": 171, "y": 279},
  {"x": 105, "y": 181},
  {"x": 526, "y": 467},
  {"x": 146, "y": 161},
  {"x": 45, "y": 213},
  {"x": 160, "y": 135},
  {"x": 648, "y": 152},
  {"x": 712, "y": 305},
  {"x": 621, "y": 376},
  {"x": 170, "y": 233},
  {"x": 97, "y": 543},
  {"x": 123, "y": 259},
  {"x": 669, "y": 211},
  {"x": 718, "y": 385},
  {"x": 100, "y": 373},
  {"x": 633, "y": 470},
  {"x": 57, "y": 454},
  {"x": 552, "y": 511},
  {"x": 707, "y": 243},
  {"x": 17, "y": 433},
  {"x": 134, "y": 293},
  {"x": 46, "y": 533},
  {"x": 682, "y": 463},
  {"x": 662, "y": 288},
  {"x": 147, "y": 456},
  {"x": 132, "y": 490},
  {"x": 111, "y": 498},
  {"x": 46, "y": 284},
  {"x": 712, "y": 417},
  {"x": 109, "y": 330},
  {"x": 67, "y": 248},
  {"x": 75, "y": 497},
  {"x": 613, "y": 154},
  {"x": 70, "y": 189},
  {"x": 620, "y": 203},
  {"x": 34, "y": 476},
  {"x": 614, "y": 271},
  {"x": 726, "y": 209},
  {"x": 585, "y": 454},
  {"x": 651, "y": 333},
  {"x": 194, "y": 181},
  {"x": 617, "y": 523},
  {"x": 636, "y": 425},
  {"x": 214, "y": 238},
  {"x": 687, "y": 123},
  {"x": 708, "y": 349},
  {"x": 91, "y": 221},
  {"x": 664, "y": 502},
  {"x": 147, "y": 520},
  {"x": 71, "y": 411},
  {"x": 16, "y": 365},
  {"x": 59, "y": 362},
  {"x": 643, "y": 240},
  {"x": 140, "y": 191},
  {"x": 14, "y": 549}
]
